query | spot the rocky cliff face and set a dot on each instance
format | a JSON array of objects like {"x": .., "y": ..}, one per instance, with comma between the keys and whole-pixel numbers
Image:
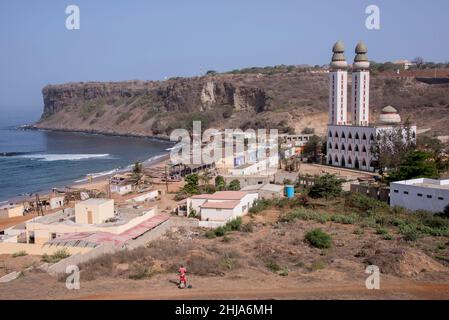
[{"x": 288, "y": 101}]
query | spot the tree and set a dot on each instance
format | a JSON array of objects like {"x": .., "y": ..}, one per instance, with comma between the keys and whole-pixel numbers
[
  {"x": 415, "y": 164},
  {"x": 436, "y": 148},
  {"x": 205, "y": 177},
  {"x": 391, "y": 145},
  {"x": 308, "y": 130},
  {"x": 234, "y": 185},
  {"x": 220, "y": 183},
  {"x": 418, "y": 61},
  {"x": 326, "y": 186},
  {"x": 313, "y": 147},
  {"x": 211, "y": 72},
  {"x": 137, "y": 171},
  {"x": 191, "y": 186}
]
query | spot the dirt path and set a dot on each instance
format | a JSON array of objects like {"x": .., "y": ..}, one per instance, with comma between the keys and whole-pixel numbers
[
  {"x": 10, "y": 222},
  {"x": 391, "y": 290}
]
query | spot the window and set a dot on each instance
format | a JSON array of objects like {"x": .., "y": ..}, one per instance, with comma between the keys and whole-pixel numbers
[
  {"x": 350, "y": 135},
  {"x": 440, "y": 198},
  {"x": 364, "y": 137},
  {"x": 419, "y": 194},
  {"x": 429, "y": 196},
  {"x": 405, "y": 192},
  {"x": 396, "y": 191},
  {"x": 357, "y": 135}
]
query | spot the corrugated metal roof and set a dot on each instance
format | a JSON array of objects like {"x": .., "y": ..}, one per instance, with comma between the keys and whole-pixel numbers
[{"x": 111, "y": 238}]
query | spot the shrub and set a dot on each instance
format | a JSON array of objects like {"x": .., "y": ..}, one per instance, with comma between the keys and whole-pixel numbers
[
  {"x": 139, "y": 272},
  {"x": 410, "y": 233},
  {"x": 319, "y": 239},
  {"x": 318, "y": 265},
  {"x": 260, "y": 205},
  {"x": 326, "y": 186},
  {"x": 273, "y": 266},
  {"x": 365, "y": 203},
  {"x": 57, "y": 256},
  {"x": 381, "y": 231},
  {"x": 359, "y": 231},
  {"x": 248, "y": 227},
  {"x": 387, "y": 236},
  {"x": 21, "y": 253},
  {"x": 210, "y": 234},
  {"x": 343, "y": 219}
]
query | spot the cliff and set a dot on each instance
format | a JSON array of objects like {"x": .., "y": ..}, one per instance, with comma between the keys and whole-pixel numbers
[{"x": 289, "y": 101}]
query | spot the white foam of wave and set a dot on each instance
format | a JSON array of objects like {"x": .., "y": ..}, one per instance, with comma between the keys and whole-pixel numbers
[
  {"x": 63, "y": 157},
  {"x": 98, "y": 175},
  {"x": 153, "y": 159},
  {"x": 117, "y": 170}
]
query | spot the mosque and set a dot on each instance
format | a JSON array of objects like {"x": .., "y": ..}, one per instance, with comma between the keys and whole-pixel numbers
[{"x": 349, "y": 140}]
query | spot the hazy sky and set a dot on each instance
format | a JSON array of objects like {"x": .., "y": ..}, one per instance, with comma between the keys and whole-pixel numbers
[{"x": 138, "y": 39}]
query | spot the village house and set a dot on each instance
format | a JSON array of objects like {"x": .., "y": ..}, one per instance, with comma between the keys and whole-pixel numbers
[
  {"x": 420, "y": 194},
  {"x": 219, "y": 208}
]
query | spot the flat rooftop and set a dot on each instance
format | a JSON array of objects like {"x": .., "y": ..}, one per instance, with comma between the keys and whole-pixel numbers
[
  {"x": 220, "y": 205},
  {"x": 222, "y": 195},
  {"x": 426, "y": 183},
  {"x": 95, "y": 201}
]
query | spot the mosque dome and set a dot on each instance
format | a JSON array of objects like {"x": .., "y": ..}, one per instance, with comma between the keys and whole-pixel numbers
[
  {"x": 389, "y": 115},
  {"x": 361, "y": 59},
  {"x": 338, "y": 58}
]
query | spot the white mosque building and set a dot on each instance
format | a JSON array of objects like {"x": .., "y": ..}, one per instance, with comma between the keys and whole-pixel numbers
[{"x": 349, "y": 140}]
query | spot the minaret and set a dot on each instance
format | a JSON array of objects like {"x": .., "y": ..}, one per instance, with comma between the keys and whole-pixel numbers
[
  {"x": 338, "y": 86},
  {"x": 360, "y": 87}
]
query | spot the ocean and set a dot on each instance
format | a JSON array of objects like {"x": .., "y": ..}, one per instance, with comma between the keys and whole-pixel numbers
[{"x": 33, "y": 161}]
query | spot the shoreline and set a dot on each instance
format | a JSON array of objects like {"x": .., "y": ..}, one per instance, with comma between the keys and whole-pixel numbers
[
  {"x": 84, "y": 181},
  {"x": 162, "y": 160},
  {"x": 93, "y": 131}
]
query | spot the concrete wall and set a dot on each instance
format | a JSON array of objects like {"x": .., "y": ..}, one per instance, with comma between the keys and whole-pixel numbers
[
  {"x": 56, "y": 202},
  {"x": 213, "y": 214},
  {"x": 12, "y": 212},
  {"x": 36, "y": 249},
  {"x": 418, "y": 198},
  {"x": 151, "y": 235},
  {"x": 42, "y": 231},
  {"x": 146, "y": 196},
  {"x": 248, "y": 180},
  {"x": 121, "y": 189},
  {"x": 79, "y": 258}
]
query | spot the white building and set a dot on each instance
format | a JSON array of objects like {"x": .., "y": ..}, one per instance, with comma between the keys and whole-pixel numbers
[
  {"x": 222, "y": 206},
  {"x": 420, "y": 194},
  {"x": 56, "y": 202},
  {"x": 94, "y": 211},
  {"x": 349, "y": 140}
]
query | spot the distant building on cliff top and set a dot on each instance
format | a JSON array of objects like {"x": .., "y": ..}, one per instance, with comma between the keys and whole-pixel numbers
[{"x": 349, "y": 139}]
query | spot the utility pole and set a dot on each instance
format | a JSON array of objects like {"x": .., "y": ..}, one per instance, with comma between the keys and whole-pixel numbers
[{"x": 166, "y": 179}]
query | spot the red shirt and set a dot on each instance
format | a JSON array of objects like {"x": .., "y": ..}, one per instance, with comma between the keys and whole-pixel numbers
[{"x": 182, "y": 271}]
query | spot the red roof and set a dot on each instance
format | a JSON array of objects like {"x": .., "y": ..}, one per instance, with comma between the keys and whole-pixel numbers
[{"x": 220, "y": 204}]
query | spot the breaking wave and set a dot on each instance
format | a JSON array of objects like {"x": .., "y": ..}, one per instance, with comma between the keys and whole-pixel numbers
[{"x": 62, "y": 157}]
